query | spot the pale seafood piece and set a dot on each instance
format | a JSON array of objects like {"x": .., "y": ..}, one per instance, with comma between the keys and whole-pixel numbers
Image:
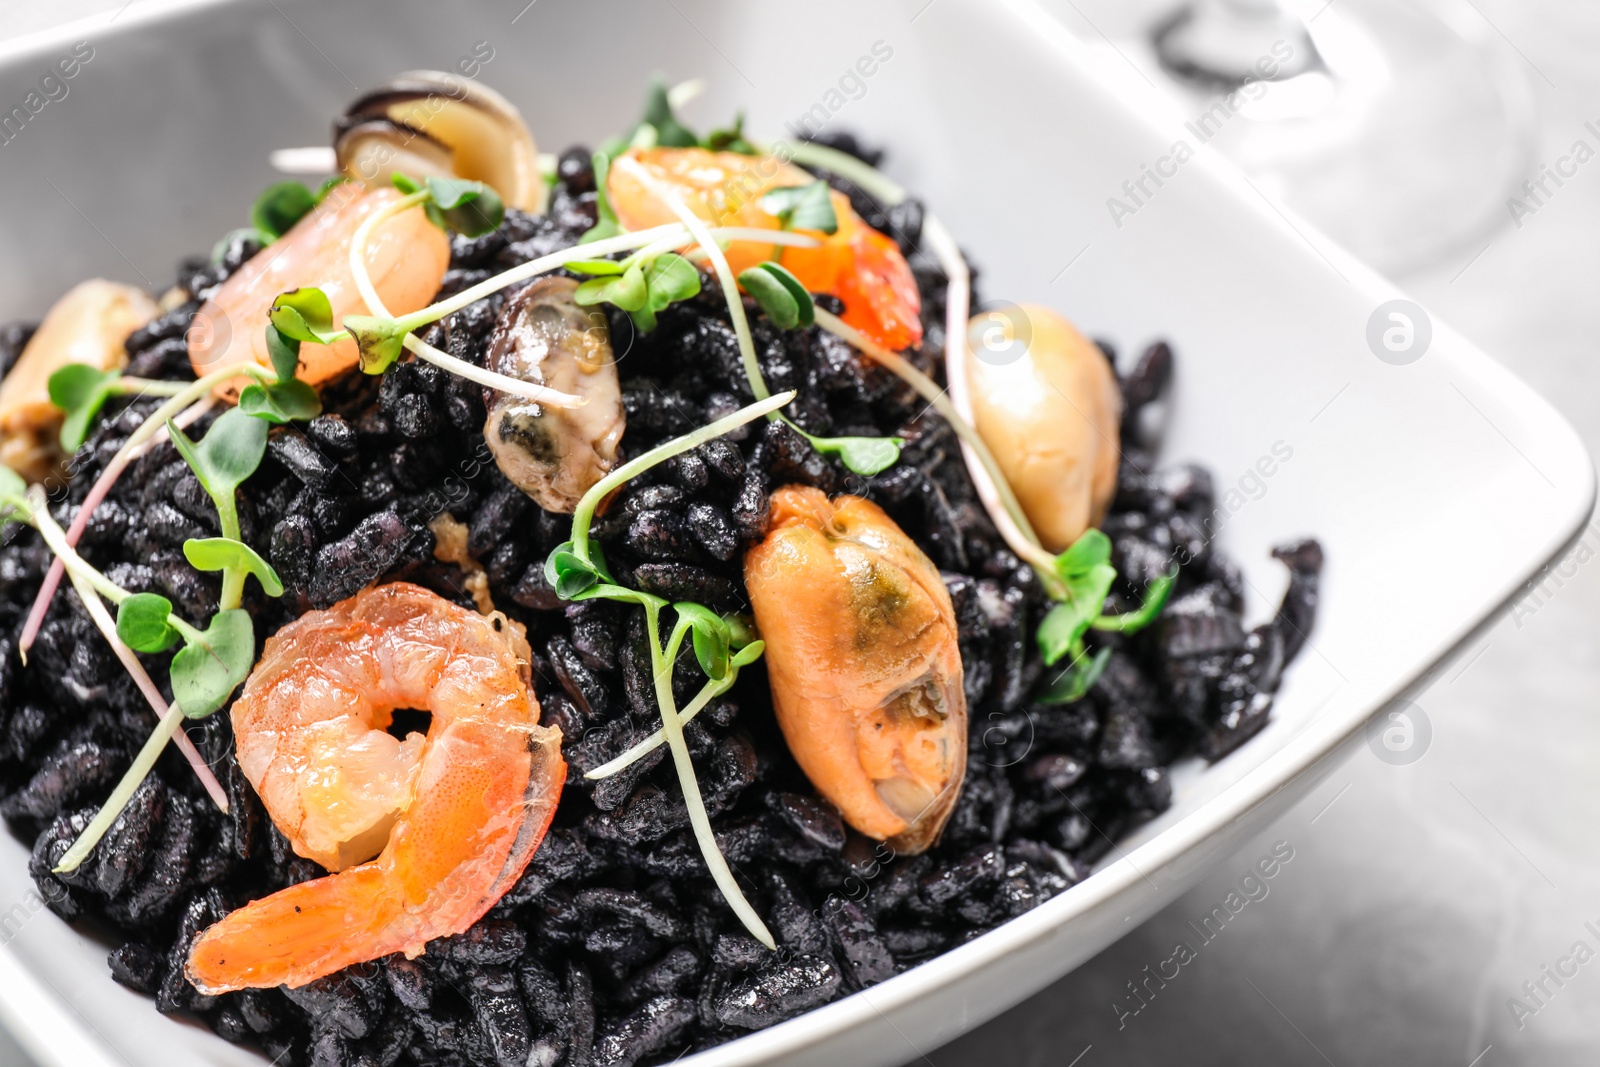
[
  {"x": 1046, "y": 402},
  {"x": 555, "y": 455},
  {"x": 861, "y": 652},
  {"x": 452, "y": 818},
  {"x": 407, "y": 256},
  {"x": 90, "y": 324}
]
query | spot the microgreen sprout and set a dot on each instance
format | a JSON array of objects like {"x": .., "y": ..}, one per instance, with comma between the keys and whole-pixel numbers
[
  {"x": 577, "y": 570},
  {"x": 640, "y": 286},
  {"x": 288, "y": 399},
  {"x": 80, "y": 391},
  {"x": 204, "y": 673},
  {"x": 864, "y": 456},
  {"x": 802, "y": 207},
  {"x": 606, "y": 224}
]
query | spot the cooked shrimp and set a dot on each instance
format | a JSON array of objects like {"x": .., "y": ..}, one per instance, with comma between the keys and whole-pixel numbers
[
  {"x": 406, "y": 257},
  {"x": 88, "y": 325},
  {"x": 857, "y": 264},
  {"x": 1046, "y": 402},
  {"x": 456, "y": 815},
  {"x": 861, "y": 653}
]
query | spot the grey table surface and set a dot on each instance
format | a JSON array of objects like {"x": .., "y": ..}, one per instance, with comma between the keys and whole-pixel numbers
[{"x": 1410, "y": 913}]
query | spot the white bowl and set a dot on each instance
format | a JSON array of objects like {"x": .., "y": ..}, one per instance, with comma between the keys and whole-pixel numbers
[{"x": 1438, "y": 488}]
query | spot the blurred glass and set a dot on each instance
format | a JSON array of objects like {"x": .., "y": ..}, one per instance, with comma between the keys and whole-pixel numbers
[{"x": 1398, "y": 127}]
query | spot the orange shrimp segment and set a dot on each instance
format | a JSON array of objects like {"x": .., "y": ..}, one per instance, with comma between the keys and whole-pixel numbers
[
  {"x": 457, "y": 815},
  {"x": 406, "y": 258},
  {"x": 857, "y": 264},
  {"x": 862, "y": 657}
]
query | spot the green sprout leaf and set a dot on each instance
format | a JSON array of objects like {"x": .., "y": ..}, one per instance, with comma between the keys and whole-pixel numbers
[
  {"x": 597, "y": 266},
  {"x": 570, "y": 575},
  {"x": 224, "y": 553},
  {"x": 731, "y": 139},
  {"x": 292, "y": 401},
  {"x": 628, "y": 290},
  {"x": 773, "y": 296},
  {"x": 304, "y": 315},
  {"x": 207, "y": 670},
  {"x": 806, "y": 309},
  {"x": 285, "y": 353},
  {"x": 13, "y": 489},
  {"x": 669, "y": 132},
  {"x": 1076, "y": 680},
  {"x": 712, "y": 637},
  {"x": 279, "y": 207},
  {"x": 379, "y": 341},
  {"x": 142, "y": 623},
  {"x": 1086, "y": 576},
  {"x": 865, "y": 456},
  {"x": 405, "y": 183},
  {"x": 802, "y": 207},
  {"x": 671, "y": 278},
  {"x": 471, "y": 209},
  {"x": 230, "y": 452},
  {"x": 607, "y": 224},
  {"x": 1155, "y": 598},
  {"x": 81, "y": 391}
]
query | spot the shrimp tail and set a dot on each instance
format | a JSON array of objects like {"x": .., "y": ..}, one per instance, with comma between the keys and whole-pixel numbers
[{"x": 312, "y": 929}]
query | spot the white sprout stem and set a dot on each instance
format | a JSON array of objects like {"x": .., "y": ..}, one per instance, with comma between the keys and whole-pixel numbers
[
  {"x": 358, "y": 249},
  {"x": 196, "y": 398},
  {"x": 699, "y": 820},
  {"x": 707, "y": 694},
  {"x": 990, "y": 483},
  {"x": 143, "y": 764},
  {"x": 102, "y": 619},
  {"x": 147, "y": 387},
  {"x": 719, "y": 264},
  {"x": 56, "y": 540},
  {"x": 583, "y": 514},
  {"x": 1021, "y": 537}
]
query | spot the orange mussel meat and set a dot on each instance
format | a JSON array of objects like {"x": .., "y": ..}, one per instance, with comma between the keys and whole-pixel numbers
[{"x": 862, "y": 656}]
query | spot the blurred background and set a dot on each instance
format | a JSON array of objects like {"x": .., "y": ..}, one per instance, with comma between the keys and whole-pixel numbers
[{"x": 1436, "y": 873}]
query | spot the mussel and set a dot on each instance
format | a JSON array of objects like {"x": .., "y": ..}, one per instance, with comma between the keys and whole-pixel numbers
[
  {"x": 1046, "y": 402},
  {"x": 88, "y": 325},
  {"x": 428, "y": 123},
  {"x": 862, "y": 657},
  {"x": 553, "y": 454}
]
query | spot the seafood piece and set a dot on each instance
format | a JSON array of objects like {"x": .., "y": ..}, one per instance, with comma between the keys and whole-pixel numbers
[
  {"x": 456, "y": 815},
  {"x": 857, "y": 264},
  {"x": 428, "y": 123},
  {"x": 406, "y": 257},
  {"x": 554, "y": 454},
  {"x": 1046, "y": 402},
  {"x": 88, "y": 325},
  {"x": 861, "y": 652}
]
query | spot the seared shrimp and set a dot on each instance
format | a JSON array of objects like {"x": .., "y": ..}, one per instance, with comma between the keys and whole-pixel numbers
[
  {"x": 862, "y": 657},
  {"x": 456, "y": 815},
  {"x": 857, "y": 264},
  {"x": 406, "y": 257}
]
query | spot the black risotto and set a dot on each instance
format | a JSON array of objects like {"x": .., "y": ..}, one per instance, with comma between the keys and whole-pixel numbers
[{"x": 615, "y": 948}]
